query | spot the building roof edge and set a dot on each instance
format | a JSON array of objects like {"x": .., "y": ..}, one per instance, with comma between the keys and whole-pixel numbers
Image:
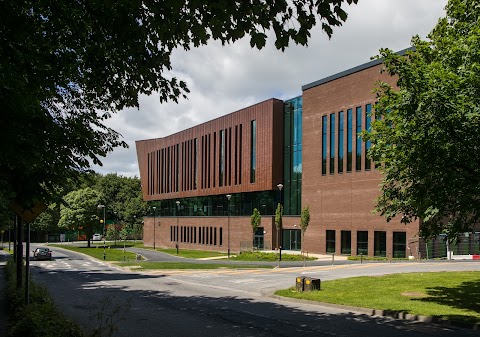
[{"x": 350, "y": 71}]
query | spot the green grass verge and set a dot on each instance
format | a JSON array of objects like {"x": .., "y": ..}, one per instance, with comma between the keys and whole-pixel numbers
[
  {"x": 143, "y": 265},
  {"x": 191, "y": 254},
  {"x": 111, "y": 254},
  {"x": 186, "y": 253},
  {"x": 444, "y": 295},
  {"x": 261, "y": 256},
  {"x": 41, "y": 317}
]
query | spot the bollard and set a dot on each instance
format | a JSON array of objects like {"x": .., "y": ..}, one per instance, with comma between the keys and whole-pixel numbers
[
  {"x": 333, "y": 258},
  {"x": 361, "y": 258}
]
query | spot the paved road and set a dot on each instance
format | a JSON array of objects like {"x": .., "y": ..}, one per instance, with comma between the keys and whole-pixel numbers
[{"x": 220, "y": 302}]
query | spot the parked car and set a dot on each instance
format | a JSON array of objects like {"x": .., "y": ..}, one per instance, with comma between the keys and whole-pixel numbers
[
  {"x": 42, "y": 254},
  {"x": 97, "y": 237}
]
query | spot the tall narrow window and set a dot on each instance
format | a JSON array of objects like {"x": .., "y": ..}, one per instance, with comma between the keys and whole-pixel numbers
[
  {"x": 324, "y": 144},
  {"x": 214, "y": 164},
  {"x": 358, "y": 161},
  {"x": 399, "y": 244},
  {"x": 330, "y": 241},
  {"x": 332, "y": 143},
  {"x": 349, "y": 140},
  {"x": 340, "y": 142},
  {"x": 368, "y": 144},
  {"x": 346, "y": 244},
  {"x": 195, "y": 163},
  {"x": 221, "y": 164},
  {"x": 362, "y": 243},
  {"x": 240, "y": 147},
  {"x": 380, "y": 243},
  {"x": 253, "y": 153}
]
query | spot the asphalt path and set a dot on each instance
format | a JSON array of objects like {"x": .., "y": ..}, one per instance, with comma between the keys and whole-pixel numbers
[
  {"x": 152, "y": 255},
  {"x": 219, "y": 302}
]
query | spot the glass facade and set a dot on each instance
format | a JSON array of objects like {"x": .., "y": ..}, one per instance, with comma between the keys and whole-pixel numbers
[
  {"x": 241, "y": 204},
  {"x": 292, "y": 154}
]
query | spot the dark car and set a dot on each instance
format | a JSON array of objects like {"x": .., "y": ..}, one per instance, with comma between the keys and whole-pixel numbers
[{"x": 42, "y": 254}]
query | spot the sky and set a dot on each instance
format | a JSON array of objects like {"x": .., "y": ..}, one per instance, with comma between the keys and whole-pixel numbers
[{"x": 224, "y": 79}]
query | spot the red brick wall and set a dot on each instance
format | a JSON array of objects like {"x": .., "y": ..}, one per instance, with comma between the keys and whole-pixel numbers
[{"x": 341, "y": 201}]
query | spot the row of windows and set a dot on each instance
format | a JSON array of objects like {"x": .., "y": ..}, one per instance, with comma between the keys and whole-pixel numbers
[
  {"x": 165, "y": 164},
  {"x": 380, "y": 243},
  {"x": 333, "y": 140},
  {"x": 175, "y": 167},
  {"x": 204, "y": 235}
]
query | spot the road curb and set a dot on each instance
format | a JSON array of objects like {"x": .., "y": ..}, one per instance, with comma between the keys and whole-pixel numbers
[{"x": 387, "y": 313}]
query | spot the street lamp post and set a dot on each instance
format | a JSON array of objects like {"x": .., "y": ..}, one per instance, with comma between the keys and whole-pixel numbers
[
  {"x": 178, "y": 208},
  {"x": 280, "y": 186},
  {"x": 154, "y": 215},
  {"x": 229, "y": 196},
  {"x": 104, "y": 232},
  {"x": 115, "y": 228}
]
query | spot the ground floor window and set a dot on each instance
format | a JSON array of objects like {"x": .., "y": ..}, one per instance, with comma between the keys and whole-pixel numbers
[
  {"x": 380, "y": 243},
  {"x": 399, "y": 244},
  {"x": 346, "y": 244},
  {"x": 330, "y": 242},
  {"x": 362, "y": 243}
]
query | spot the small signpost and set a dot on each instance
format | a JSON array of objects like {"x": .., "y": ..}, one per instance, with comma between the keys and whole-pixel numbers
[{"x": 27, "y": 215}]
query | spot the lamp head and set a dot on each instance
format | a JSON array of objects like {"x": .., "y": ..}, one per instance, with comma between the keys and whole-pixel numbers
[
  {"x": 280, "y": 186},
  {"x": 229, "y": 196}
]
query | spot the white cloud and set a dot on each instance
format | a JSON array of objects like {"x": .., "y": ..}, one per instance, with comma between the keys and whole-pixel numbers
[{"x": 225, "y": 79}]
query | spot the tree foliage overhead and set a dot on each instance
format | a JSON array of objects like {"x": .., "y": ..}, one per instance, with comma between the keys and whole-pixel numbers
[
  {"x": 61, "y": 62},
  {"x": 427, "y": 141}
]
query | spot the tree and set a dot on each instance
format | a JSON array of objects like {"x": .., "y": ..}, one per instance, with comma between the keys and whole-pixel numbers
[
  {"x": 425, "y": 139},
  {"x": 278, "y": 221},
  {"x": 47, "y": 222},
  {"x": 304, "y": 222},
  {"x": 66, "y": 67},
  {"x": 80, "y": 211},
  {"x": 255, "y": 221}
]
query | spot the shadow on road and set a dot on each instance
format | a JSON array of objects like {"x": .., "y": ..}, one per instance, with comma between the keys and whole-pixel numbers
[{"x": 160, "y": 306}]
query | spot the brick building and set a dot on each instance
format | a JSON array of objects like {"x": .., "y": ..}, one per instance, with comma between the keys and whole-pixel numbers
[{"x": 304, "y": 151}]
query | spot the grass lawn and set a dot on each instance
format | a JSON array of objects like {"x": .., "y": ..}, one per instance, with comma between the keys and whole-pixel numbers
[
  {"x": 141, "y": 265},
  {"x": 111, "y": 254},
  {"x": 261, "y": 256},
  {"x": 191, "y": 254},
  {"x": 448, "y": 295}
]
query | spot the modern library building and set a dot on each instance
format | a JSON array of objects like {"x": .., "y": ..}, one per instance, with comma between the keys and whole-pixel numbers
[{"x": 305, "y": 151}]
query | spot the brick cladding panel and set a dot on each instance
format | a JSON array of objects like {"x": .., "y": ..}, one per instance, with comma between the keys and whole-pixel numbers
[{"x": 269, "y": 119}]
